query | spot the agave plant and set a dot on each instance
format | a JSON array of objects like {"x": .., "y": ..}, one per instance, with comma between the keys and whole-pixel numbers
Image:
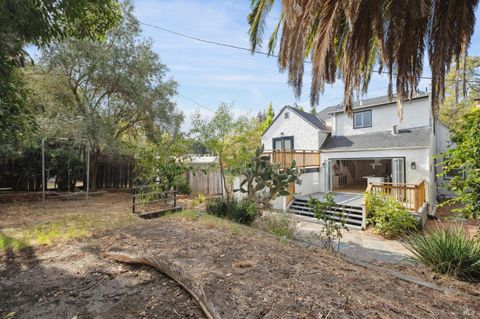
[
  {"x": 448, "y": 251},
  {"x": 347, "y": 38}
]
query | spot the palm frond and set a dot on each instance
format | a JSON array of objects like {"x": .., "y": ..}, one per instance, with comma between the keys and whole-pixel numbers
[
  {"x": 256, "y": 19},
  {"x": 348, "y": 39}
]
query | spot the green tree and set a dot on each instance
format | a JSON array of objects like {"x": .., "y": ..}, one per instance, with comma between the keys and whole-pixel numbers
[
  {"x": 460, "y": 95},
  {"x": 163, "y": 163},
  {"x": 269, "y": 117},
  {"x": 109, "y": 92},
  {"x": 464, "y": 159},
  {"x": 40, "y": 22},
  {"x": 225, "y": 136}
]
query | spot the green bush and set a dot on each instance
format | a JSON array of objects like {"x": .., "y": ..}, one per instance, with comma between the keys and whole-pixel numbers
[
  {"x": 240, "y": 211},
  {"x": 448, "y": 251},
  {"x": 278, "y": 225},
  {"x": 184, "y": 188},
  {"x": 388, "y": 217}
]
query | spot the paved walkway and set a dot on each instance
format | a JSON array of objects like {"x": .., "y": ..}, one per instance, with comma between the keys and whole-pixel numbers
[{"x": 361, "y": 245}]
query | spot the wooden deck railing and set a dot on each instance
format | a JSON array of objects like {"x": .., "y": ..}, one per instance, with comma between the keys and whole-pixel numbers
[
  {"x": 302, "y": 158},
  {"x": 412, "y": 196}
]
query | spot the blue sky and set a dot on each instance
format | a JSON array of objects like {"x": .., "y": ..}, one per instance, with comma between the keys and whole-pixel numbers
[{"x": 211, "y": 74}]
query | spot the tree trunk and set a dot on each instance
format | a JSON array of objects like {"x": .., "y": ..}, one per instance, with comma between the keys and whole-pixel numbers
[
  {"x": 94, "y": 163},
  {"x": 222, "y": 172}
]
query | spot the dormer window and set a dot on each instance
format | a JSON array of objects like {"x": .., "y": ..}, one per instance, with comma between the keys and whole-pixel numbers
[
  {"x": 287, "y": 115},
  {"x": 362, "y": 119}
]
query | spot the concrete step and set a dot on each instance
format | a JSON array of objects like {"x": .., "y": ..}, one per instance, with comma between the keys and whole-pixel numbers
[
  {"x": 352, "y": 215},
  {"x": 347, "y": 219}
]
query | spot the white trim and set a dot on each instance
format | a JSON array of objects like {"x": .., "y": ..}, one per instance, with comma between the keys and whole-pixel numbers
[{"x": 328, "y": 150}]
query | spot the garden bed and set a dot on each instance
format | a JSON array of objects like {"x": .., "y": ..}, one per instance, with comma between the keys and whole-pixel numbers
[{"x": 245, "y": 273}]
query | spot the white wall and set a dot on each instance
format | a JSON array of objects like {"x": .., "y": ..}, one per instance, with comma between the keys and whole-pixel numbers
[
  {"x": 415, "y": 114},
  {"x": 306, "y": 136}
]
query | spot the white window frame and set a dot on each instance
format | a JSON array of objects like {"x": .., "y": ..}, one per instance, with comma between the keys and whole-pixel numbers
[{"x": 362, "y": 114}]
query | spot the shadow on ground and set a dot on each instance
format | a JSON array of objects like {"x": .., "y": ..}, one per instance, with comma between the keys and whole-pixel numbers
[{"x": 77, "y": 284}]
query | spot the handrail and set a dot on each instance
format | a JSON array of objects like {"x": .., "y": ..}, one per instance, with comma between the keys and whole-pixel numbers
[
  {"x": 412, "y": 196},
  {"x": 302, "y": 158}
]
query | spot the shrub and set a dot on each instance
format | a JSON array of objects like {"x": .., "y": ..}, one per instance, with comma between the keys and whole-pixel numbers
[
  {"x": 184, "y": 188},
  {"x": 388, "y": 217},
  {"x": 333, "y": 227},
  {"x": 278, "y": 225},
  {"x": 243, "y": 211},
  {"x": 448, "y": 251}
]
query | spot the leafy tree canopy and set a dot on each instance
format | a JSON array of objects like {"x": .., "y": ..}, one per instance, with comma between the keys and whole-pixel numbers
[
  {"x": 460, "y": 98},
  {"x": 233, "y": 140},
  {"x": 40, "y": 22},
  {"x": 113, "y": 93},
  {"x": 465, "y": 160}
]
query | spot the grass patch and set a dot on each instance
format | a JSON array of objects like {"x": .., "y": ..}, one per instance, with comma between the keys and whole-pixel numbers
[
  {"x": 60, "y": 231},
  {"x": 448, "y": 251},
  {"x": 10, "y": 243},
  {"x": 278, "y": 225}
]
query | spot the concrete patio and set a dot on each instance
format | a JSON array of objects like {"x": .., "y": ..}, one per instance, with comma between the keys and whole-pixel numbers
[{"x": 360, "y": 245}]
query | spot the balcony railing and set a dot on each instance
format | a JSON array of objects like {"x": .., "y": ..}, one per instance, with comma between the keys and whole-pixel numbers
[
  {"x": 302, "y": 158},
  {"x": 412, "y": 196}
]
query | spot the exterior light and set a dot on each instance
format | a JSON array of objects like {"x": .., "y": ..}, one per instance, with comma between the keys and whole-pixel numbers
[{"x": 413, "y": 166}]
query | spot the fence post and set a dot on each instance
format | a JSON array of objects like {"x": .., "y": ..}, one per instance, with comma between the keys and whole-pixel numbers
[
  {"x": 88, "y": 173},
  {"x": 133, "y": 200},
  {"x": 43, "y": 172}
]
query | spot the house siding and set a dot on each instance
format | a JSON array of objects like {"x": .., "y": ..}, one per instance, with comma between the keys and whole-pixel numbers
[
  {"x": 306, "y": 136},
  {"x": 415, "y": 114}
]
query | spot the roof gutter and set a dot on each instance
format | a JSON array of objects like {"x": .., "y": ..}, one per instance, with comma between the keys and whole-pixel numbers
[
  {"x": 332, "y": 150},
  {"x": 361, "y": 107}
]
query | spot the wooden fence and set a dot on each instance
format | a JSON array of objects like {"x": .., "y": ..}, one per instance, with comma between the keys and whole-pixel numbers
[
  {"x": 207, "y": 181},
  {"x": 115, "y": 172}
]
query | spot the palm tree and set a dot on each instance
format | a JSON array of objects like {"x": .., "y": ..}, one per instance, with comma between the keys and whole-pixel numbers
[{"x": 347, "y": 39}]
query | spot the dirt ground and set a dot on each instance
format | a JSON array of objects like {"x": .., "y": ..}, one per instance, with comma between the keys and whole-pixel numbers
[{"x": 244, "y": 272}]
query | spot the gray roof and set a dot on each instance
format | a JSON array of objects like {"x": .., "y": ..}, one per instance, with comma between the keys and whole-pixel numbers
[
  {"x": 413, "y": 137},
  {"x": 309, "y": 117},
  {"x": 325, "y": 113},
  {"x": 375, "y": 101}
]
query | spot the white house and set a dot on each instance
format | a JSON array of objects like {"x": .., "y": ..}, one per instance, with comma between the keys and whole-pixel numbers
[{"x": 372, "y": 147}]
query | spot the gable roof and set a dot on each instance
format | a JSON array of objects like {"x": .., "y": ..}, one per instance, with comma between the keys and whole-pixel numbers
[
  {"x": 310, "y": 118},
  {"x": 414, "y": 137},
  {"x": 375, "y": 101},
  {"x": 325, "y": 113}
]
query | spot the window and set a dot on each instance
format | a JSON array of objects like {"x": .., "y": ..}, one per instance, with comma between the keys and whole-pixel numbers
[
  {"x": 454, "y": 172},
  {"x": 362, "y": 119},
  {"x": 283, "y": 143},
  {"x": 287, "y": 115}
]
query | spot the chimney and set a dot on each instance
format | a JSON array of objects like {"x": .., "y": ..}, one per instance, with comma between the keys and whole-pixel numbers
[
  {"x": 477, "y": 102},
  {"x": 394, "y": 130}
]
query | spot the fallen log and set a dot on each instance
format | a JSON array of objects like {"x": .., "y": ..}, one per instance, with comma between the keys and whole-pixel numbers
[{"x": 176, "y": 273}]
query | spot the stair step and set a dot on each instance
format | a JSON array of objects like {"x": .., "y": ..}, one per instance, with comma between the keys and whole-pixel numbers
[
  {"x": 348, "y": 221},
  {"x": 337, "y": 209}
]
